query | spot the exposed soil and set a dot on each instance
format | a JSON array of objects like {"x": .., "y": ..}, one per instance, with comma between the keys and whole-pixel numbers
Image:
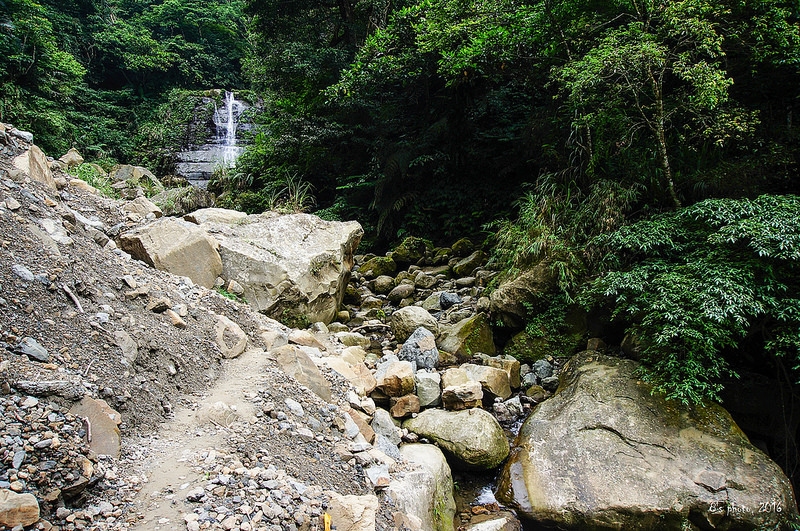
[{"x": 65, "y": 287}]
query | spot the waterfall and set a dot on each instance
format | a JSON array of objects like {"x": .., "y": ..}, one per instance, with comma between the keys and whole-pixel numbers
[
  {"x": 226, "y": 120},
  {"x": 221, "y": 147}
]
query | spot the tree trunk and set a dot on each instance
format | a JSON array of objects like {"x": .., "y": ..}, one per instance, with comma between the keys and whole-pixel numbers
[{"x": 661, "y": 140}]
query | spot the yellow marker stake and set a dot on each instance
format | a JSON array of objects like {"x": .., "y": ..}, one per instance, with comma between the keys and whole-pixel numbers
[{"x": 326, "y": 519}]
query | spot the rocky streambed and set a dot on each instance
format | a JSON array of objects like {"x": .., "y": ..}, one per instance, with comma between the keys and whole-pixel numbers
[{"x": 380, "y": 395}]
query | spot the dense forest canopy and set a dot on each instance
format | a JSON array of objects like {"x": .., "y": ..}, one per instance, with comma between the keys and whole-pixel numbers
[{"x": 647, "y": 149}]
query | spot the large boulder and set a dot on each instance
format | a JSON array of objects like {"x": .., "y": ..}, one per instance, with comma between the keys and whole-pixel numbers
[
  {"x": 467, "y": 337},
  {"x": 509, "y": 300},
  {"x": 406, "y": 320},
  {"x": 472, "y": 437},
  {"x": 34, "y": 162},
  {"x": 176, "y": 246},
  {"x": 293, "y": 268},
  {"x": 607, "y": 453},
  {"x": 424, "y": 496}
]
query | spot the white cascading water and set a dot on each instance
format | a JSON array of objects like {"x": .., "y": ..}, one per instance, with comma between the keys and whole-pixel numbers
[
  {"x": 226, "y": 119},
  {"x": 199, "y": 162}
]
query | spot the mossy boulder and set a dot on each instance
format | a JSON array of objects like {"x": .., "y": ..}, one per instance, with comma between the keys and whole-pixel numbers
[
  {"x": 472, "y": 438},
  {"x": 467, "y": 337},
  {"x": 462, "y": 248},
  {"x": 467, "y": 265},
  {"x": 605, "y": 452},
  {"x": 410, "y": 251},
  {"x": 377, "y": 266},
  {"x": 510, "y": 301}
]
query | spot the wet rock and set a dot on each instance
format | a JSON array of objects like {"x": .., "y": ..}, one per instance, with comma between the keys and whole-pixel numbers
[{"x": 509, "y": 411}]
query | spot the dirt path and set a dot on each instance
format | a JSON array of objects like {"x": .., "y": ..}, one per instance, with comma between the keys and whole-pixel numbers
[{"x": 193, "y": 436}]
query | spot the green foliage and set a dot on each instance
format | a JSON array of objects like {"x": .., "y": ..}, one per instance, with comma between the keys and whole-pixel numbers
[
  {"x": 232, "y": 296},
  {"x": 554, "y": 328},
  {"x": 82, "y": 73},
  {"x": 99, "y": 179},
  {"x": 696, "y": 284},
  {"x": 555, "y": 221},
  {"x": 167, "y": 129},
  {"x": 287, "y": 195},
  {"x": 37, "y": 76}
]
